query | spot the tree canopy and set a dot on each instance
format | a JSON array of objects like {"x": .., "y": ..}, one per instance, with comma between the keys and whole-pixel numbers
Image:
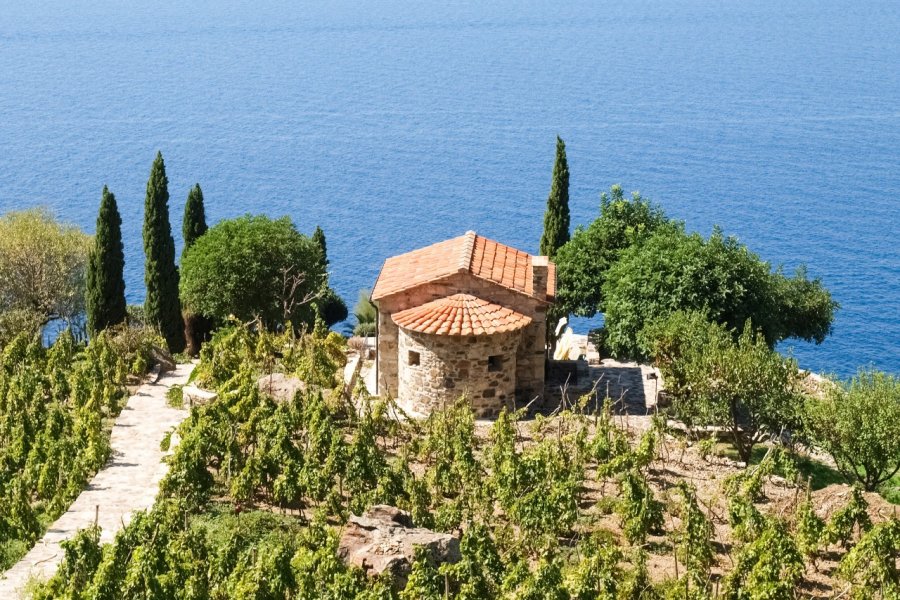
[
  {"x": 556, "y": 217},
  {"x": 105, "y": 281},
  {"x": 42, "y": 267},
  {"x": 162, "y": 307},
  {"x": 251, "y": 267},
  {"x": 672, "y": 271},
  {"x": 583, "y": 262}
]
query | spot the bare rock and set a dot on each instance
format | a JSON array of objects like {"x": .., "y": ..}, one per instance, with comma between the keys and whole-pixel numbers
[
  {"x": 280, "y": 386},
  {"x": 161, "y": 357},
  {"x": 194, "y": 396},
  {"x": 384, "y": 540}
]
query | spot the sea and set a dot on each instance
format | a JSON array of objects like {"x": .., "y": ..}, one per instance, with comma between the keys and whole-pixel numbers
[{"x": 396, "y": 124}]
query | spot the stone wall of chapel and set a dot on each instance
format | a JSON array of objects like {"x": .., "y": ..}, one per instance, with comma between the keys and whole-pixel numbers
[
  {"x": 435, "y": 370},
  {"x": 529, "y": 358}
]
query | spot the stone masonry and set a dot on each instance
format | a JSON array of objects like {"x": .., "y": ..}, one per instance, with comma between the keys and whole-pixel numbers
[
  {"x": 435, "y": 370},
  {"x": 530, "y": 356}
]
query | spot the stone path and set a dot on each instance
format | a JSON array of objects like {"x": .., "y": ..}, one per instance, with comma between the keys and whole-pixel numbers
[
  {"x": 127, "y": 483},
  {"x": 631, "y": 387}
]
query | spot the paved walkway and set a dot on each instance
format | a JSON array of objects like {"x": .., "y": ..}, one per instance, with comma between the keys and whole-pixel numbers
[{"x": 127, "y": 483}]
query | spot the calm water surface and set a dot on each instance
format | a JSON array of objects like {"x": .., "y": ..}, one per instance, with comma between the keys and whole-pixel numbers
[{"x": 396, "y": 124}]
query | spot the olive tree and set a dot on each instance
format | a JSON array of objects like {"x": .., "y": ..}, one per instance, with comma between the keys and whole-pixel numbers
[
  {"x": 858, "y": 424},
  {"x": 250, "y": 267},
  {"x": 42, "y": 267}
]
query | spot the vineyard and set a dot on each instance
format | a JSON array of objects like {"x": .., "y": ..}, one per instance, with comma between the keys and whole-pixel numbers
[
  {"x": 56, "y": 410},
  {"x": 585, "y": 503}
]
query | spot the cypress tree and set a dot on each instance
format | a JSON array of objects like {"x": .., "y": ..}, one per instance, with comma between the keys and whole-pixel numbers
[
  {"x": 197, "y": 328},
  {"x": 318, "y": 237},
  {"x": 162, "y": 306},
  {"x": 105, "y": 298},
  {"x": 556, "y": 218},
  {"x": 331, "y": 307},
  {"x": 194, "y": 223}
]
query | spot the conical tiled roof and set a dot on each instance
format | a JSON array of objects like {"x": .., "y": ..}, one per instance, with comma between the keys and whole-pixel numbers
[{"x": 460, "y": 314}]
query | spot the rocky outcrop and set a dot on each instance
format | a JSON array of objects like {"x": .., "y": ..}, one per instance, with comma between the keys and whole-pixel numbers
[
  {"x": 384, "y": 540},
  {"x": 280, "y": 386},
  {"x": 161, "y": 357},
  {"x": 195, "y": 396}
]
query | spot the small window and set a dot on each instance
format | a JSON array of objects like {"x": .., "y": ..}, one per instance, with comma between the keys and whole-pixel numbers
[
  {"x": 413, "y": 358},
  {"x": 495, "y": 363}
]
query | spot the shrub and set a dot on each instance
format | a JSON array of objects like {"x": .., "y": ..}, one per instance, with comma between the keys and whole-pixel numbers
[
  {"x": 742, "y": 385},
  {"x": 770, "y": 567},
  {"x": 366, "y": 314},
  {"x": 871, "y": 566},
  {"x": 858, "y": 424},
  {"x": 641, "y": 514},
  {"x": 135, "y": 345}
]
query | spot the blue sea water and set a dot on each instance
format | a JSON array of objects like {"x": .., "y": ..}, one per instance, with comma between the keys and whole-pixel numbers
[{"x": 397, "y": 124}]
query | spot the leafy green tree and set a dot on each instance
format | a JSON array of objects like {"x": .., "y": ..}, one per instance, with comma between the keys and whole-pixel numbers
[
  {"x": 162, "y": 306},
  {"x": 105, "y": 281},
  {"x": 556, "y": 217},
  {"x": 332, "y": 307},
  {"x": 43, "y": 265},
  {"x": 674, "y": 271},
  {"x": 858, "y": 424},
  {"x": 716, "y": 380},
  {"x": 583, "y": 262},
  {"x": 251, "y": 267},
  {"x": 193, "y": 225}
]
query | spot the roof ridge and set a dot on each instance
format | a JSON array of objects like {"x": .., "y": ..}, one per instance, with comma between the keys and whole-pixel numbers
[{"x": 467, "y": 250}]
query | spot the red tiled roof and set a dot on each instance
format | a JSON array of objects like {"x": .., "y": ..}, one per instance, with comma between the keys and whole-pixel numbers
[
  {"x": 460, "y": 314},
  {"x": 480, "y": 256}
]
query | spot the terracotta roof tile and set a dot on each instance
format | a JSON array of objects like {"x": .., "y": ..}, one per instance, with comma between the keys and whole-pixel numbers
[
  {"x": 478, "y": 255},
  {"x": 460, "y": 314}
]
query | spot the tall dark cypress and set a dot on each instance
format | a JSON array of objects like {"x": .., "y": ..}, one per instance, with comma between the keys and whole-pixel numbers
[
  {"x": 162, "y": 306},
  {"x": 556, "y": 218},
  {"x": 194, "y": 223},
  {"x": 105, "y": 297},
  {"x": 331, "y": 307},
  {"x": 318, "y": 237}
]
